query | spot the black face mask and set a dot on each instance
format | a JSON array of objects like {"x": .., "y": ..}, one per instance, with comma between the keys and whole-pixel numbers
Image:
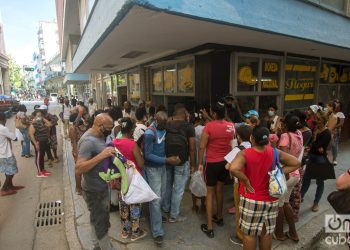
[{"x": 106, "y": 133}]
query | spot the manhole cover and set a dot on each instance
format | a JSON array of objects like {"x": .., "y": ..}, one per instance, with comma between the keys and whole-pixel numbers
[{"x": 49, "y": 214}]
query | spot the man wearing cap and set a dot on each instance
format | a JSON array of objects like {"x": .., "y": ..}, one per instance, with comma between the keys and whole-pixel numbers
[{"x": 232, "y": 109}]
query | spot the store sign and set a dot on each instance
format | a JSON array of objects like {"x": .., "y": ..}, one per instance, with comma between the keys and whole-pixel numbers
[
  {"x": 245, "y": 75},
  {"x": 270, "y": 67},
  {"x": 301, "y": 84},
  {"x": 334, "y": 73}
]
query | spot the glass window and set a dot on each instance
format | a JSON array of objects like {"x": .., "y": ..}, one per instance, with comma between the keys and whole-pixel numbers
[
  {"x": 121, "y": 79},
  {"x": 344, "y": 98},
  {"x": 327, "y": 93},
  {"x": 270, "y": 77},
  {"x": 334, "y": 73},
  {"x": 246, "y": 103},
  {"x": 247, "y": 73},
  {"x": 169, "y": 74},
  {"x": 300, "y": 78},
  {"x": 157, "y": 81},
  {"x": 185, "y": 77},
  {"x": 134, "y": 86}
]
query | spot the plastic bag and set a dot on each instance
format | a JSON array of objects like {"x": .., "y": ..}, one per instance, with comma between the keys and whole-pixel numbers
[
  {"x": 277, "y": 182},
  {"x": 197, "y": 185},
  {"x": 139, "y": 191}
]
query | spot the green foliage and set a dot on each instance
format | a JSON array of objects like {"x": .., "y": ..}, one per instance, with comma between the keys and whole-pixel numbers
[{"x": 15, "y": 73}]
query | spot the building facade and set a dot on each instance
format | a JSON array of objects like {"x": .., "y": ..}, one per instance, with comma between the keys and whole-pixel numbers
[
  {"x": 291, "y": 53},
  {"x": 5, "y": 88}
]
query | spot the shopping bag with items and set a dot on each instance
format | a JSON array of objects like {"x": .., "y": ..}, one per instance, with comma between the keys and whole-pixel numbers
[
  {"x": 277, "y": 182},
  {"x": 197, "y": 185},
  {"x": 139, "y": 191}
]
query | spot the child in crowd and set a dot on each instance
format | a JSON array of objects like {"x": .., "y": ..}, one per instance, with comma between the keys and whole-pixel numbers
[{"x": 244, "y": 133}]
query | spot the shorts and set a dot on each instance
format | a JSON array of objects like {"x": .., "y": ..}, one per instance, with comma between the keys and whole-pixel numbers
[
  {"x": 292, "y": 181},
  {"x": 8, "y": 166},
  {"x": 214, "y": 172},
  {"x": 255, "y": 214}
]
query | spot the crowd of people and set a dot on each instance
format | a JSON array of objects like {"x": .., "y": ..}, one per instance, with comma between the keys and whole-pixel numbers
[{"x": 219, "y": 141}]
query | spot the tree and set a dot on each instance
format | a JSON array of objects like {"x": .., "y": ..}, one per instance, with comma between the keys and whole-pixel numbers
[{"x": 15, "y": 73}]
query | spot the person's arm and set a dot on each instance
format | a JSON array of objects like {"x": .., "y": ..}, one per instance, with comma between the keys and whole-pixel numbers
[
  {"x": 343, "y": 181},
  {"x": 148, "y": 148},
  {"x": 31, "y": 133},
  {"x": 73, "y": 140},
  {"x": 138, "y": 156},
  {"x": 85, "y": 164},
  {"x": 47, "y": 123},
  {"x": 290, "y": 163},
  {"x": 202, "y": 147},
  {"x": 192, "y": 148},
  {"x": 332, "y": 123},
  {"x": 236, "y": 169}
]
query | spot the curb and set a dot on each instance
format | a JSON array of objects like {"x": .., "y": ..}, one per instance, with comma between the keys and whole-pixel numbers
[
  {"x": 71, "y": 231},
  {"x": 309, "y": 234}
]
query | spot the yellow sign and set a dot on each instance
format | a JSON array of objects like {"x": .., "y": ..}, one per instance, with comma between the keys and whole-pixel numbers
[
  {"x": 331, "y": 74},
  {"x": 270, "y": 67},
  {"x": 300, "y": 84},
  {"x": 300, "y": 68},
  {"x": 299, "y": 97},
  {"x": 245, "y": 75},
  {"x": 270, "y": 84}
]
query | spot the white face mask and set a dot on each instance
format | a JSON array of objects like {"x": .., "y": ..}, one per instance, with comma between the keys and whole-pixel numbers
[{"x": 271, "y": 113}]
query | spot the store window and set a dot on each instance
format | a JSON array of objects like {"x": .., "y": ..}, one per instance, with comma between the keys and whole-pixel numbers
[
  {"x": 257, "y": 83},
  {"x": 248, "y": 73},
  {"x": 174, "y": 79},
  {"x": 121, "y": 79},
  {"x": 300, "y": 79},
  {"x": 134, "y": 87},
  {"x": 169, "y": 79},
  {"x": 157, "y": 82},
  {"x": 185, "y": 77},
  {"x": 270, "y": 76}
]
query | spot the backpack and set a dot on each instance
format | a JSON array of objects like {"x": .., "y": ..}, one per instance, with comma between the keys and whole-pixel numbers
[
  {"x": 141, "y": 141},
  {"x": 176, "y": 143}
]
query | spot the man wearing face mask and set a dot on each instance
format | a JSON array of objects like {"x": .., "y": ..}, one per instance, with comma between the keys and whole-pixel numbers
[
  {"x": 155, "y": 168},
  {"x": 92, "y": 151},
  {"x": 233, "y": 112}
]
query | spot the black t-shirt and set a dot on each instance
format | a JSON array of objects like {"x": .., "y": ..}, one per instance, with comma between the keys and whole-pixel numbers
[
  {"x": 233, "y": 114},
  {"x": 322, "y": 141},
  {"x": 186, "y": 129}
]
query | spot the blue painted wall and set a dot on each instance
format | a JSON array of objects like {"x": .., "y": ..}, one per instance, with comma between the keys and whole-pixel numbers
[{"x": 289, "y": 17}]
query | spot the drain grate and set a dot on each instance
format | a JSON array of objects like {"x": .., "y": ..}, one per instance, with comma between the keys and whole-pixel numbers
[{"x": 49, "y": 214}]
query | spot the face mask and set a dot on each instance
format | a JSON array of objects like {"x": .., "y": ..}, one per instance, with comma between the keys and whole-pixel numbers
[
  {"x": 271, "y": 113},
  {"x": 106, "y": 133}
]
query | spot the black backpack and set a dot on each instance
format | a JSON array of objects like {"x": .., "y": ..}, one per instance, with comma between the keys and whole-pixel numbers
[{"x": 176, "y": 143}]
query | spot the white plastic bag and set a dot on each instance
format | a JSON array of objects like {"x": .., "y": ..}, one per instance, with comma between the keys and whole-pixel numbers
[
  {"x": 197, "y": 185},
  {"x": 139, "y": 191},
  {"x": 277, "y": 182},
  {"x": 19, "y": 135}
]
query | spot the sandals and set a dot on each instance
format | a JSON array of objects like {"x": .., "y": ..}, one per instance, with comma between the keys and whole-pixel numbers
[
  {"x": 209, "y": 233},
  {"x": 293, "y": 239},
  {"x": 218, "y": 222}
]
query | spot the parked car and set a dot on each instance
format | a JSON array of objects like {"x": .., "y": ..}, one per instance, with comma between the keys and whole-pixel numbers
[{"x": 53, "y": 97}]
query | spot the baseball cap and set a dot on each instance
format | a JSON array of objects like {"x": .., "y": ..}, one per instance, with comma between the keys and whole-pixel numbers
[
  {"x": 229, "y": 96},
  {"x": 42, "y": 107},
  {"x": 251, "y": 113},
  {"x": 315, "y": 108}
]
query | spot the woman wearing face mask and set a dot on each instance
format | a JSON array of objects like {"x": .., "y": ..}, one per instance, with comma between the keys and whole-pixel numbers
[
  {"x": 273, "y": 120},
  {"x": 317, "y": 155},
  {"x": 332, "y": 126}
]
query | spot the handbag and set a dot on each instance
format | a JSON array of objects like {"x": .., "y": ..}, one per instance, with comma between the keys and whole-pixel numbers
[
  {"x": 321, "y": 171},
  {"x": 277, "y": 182},
  {"x": 340, "y": 201}
]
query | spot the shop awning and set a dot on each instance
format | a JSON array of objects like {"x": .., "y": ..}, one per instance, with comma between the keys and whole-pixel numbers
[
  {"x": 136, "y": 32},
  {"x": 76, "y": 78}
]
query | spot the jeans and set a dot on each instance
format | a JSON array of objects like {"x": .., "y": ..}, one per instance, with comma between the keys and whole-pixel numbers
[
  {"x": 156, "y": 177},
  {"x": 307, "y": 179},
  {"x": 26, "y": 142},
  {"x": 177, "y": 177},
  {"x": 98, "y": 205},
  {"x": 335, "y": 144}
]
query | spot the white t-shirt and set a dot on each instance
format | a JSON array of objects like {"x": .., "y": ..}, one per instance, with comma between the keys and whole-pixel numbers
[
  {"x": 5, "y": 145},
  {"x": 130, "y": 115},
  {"x": 92, "y": 109},
  {"x": 340, "y": 115},
  {"x": 66, "y": 111},
  {"x": 139, "y": 130}
]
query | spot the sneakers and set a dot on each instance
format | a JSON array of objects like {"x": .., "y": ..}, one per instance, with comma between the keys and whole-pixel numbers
[
  {"x": 42, "y": 175},
  {"x": 142, "y": 234},
  {"x": 158, "y": 240},
  {"x": 125, "y": 235},
  {"x": 315, "y": 208},
  {"x": 177, "y": 219},
  {"x": 7, "y": 192},
  {"x": 50, "y": 163},
  {"x": 17, "y": 188},
  {"x": 46, "y": 172},
  {"x": 234, "y": 240}
]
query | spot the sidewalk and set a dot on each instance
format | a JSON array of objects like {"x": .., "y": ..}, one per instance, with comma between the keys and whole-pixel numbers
[{"x": 187, "y": 234}]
